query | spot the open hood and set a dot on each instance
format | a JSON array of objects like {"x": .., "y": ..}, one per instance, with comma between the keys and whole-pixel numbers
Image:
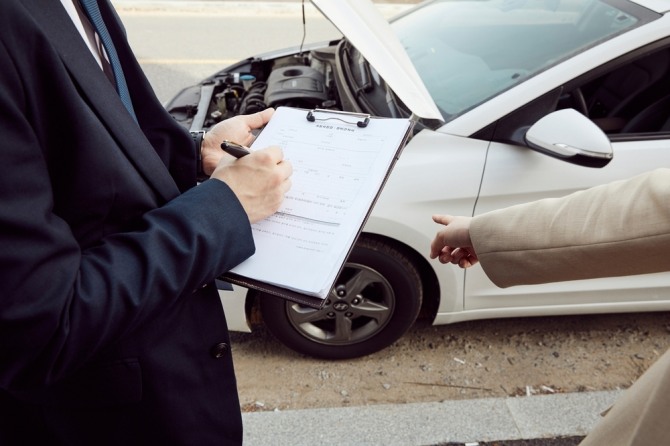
[{"x": 363, "y": 25}]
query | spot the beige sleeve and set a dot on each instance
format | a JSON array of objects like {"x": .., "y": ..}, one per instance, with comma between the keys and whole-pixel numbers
[{"x": 618, "y": 229}]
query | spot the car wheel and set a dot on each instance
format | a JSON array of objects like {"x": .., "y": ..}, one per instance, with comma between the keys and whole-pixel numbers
[{"x": 375, "y": 300}]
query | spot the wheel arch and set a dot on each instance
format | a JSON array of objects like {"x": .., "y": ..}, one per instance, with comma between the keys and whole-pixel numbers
[
  {"x": 431, "y": 291},
  {"x": 429, "y": 281}
]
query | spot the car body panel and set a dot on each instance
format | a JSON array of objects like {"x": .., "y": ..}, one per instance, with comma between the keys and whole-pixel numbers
[
  {"x": 445, "y": 172},
  {"x": 508, "y": 184},
  {"x": 654, "y": 5},
  {"x": 233, "y": 302}
]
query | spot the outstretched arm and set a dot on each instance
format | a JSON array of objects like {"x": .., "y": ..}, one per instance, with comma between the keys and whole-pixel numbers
[{"x": 617, "y": 229}]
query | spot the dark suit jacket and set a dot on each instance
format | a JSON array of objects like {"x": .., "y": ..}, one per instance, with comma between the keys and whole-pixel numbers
[{"x": 108, "y": 334}]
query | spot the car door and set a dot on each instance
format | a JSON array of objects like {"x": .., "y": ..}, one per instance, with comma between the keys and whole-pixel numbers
[{"x": 515, "y": 174}]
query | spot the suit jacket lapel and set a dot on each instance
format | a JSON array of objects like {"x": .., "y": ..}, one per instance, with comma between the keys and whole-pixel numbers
[{"x": 105, "y": 101}]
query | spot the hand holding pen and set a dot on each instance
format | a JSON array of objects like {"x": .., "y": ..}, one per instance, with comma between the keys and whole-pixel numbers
[
  {"x": 235, "y": 149},
  {"x": 239, "y": 129},
  {"x": 259, "y": 181}
]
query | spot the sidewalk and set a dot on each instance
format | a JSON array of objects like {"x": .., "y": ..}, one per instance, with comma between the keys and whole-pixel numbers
[{"x": 461, "y": 422}]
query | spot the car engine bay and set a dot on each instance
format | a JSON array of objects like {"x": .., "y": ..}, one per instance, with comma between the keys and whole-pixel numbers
[{"x": 303, "y": 80}]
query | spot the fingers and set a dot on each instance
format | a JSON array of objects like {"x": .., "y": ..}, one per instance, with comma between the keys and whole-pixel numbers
[
  {"x": 458, "y": 256},
  {"x": 270, "y": 155},
  {"x": 436, "y": 246},
  {"x": 282, "y": 169},
  {"x": 442, "y": 237},
  {"x": 239, "y": 128},
  {"x": 443, "y": 219},
  {"x": 273, "y": 157},
  {"x": 256, "y": 121},
  {"x": 449, "y": 254},
  {"x": 259, "y": 119},
  {"x": 452, "y": 243},
  {"x": 260, "y": 181},
  {"x": 467, "y": 258}
]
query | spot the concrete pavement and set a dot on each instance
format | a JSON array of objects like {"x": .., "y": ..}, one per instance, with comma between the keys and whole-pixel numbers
[{"x": 461, "y": 421}]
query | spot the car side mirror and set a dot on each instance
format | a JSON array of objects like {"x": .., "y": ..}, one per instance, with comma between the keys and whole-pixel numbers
[{"x": 570, "y": 136}]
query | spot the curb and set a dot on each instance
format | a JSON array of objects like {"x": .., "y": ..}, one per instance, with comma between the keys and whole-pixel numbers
[{"x": 461, "y": 421}]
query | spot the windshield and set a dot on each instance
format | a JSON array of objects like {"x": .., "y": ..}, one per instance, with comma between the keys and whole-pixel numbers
[{"x": 467, "y": 51}]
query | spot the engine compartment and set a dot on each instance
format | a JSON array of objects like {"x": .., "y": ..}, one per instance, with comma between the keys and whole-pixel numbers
[{"x": 303, "y": 80}]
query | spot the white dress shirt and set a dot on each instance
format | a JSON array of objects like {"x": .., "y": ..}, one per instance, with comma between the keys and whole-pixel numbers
[{"x": 87, "y": 32}]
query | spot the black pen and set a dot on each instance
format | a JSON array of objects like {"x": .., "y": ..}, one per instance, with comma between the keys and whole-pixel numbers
[{"x": 235, "y": 149}]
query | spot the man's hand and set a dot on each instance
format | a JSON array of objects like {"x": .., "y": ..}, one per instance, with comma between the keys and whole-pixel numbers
[
  {"x": 260, "y": 180},
  {"x": 237, "y": 129},
  {"x": 452, "y": 244}
]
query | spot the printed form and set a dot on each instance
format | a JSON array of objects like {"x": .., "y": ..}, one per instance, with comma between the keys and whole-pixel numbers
[{"x": 338, "y": 170}]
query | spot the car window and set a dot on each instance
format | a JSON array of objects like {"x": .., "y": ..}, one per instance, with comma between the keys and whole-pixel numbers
[
  {"x": 631, "y": 97},
  {"x": 628, "y": 98},
  {"x": 467, "y": 51}
]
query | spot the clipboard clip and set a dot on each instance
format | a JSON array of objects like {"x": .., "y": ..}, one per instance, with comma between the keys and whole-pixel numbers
[{"x": 363, "y": 122}]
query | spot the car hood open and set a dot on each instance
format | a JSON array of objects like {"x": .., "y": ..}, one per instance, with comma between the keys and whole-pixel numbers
[{"x": 363, "y": 25}]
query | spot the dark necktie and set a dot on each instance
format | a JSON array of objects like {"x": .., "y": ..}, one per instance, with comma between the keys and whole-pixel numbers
[{"x": 93, "y": 13}]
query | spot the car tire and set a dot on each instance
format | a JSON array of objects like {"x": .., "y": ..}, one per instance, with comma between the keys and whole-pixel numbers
[{"x": 375, "y": 300}]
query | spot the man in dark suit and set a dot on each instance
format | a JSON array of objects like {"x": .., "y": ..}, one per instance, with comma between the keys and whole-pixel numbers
[{"x": 111, "y": 330}]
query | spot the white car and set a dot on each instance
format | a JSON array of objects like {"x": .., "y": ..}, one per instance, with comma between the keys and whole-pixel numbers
[{"x": 515, "y": 100}]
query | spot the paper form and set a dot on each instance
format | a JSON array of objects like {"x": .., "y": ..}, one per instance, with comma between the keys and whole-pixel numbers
[{"x": 338, "y": 169}]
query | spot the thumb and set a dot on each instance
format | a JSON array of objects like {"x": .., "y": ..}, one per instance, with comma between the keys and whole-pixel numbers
[{"x": 259, "y": 119}]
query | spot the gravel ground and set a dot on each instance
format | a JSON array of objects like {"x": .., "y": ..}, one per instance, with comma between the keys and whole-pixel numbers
[{"x": 477, "y": 359}]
